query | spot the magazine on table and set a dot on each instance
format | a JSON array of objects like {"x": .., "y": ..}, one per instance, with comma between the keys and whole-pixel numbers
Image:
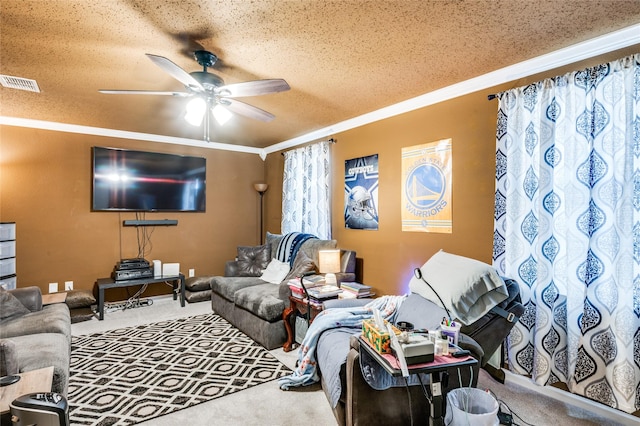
[{"x": 324, "y": 291}]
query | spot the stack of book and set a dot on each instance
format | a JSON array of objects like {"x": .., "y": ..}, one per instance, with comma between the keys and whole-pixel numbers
[
  {"x": 351, "y": 290},
  {"x": 324, "y": 292},
  {"x": 309, "y": 282}
]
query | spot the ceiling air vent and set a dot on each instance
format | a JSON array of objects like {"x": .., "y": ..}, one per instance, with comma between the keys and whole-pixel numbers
[{"x": 19, "y": 83}]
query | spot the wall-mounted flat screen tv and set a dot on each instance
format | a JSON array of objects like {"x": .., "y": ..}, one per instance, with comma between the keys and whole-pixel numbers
[{"x": 127, "y": 180}]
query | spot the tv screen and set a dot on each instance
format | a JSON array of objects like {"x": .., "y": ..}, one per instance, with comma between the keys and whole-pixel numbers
[{"x": 126, "y": 180}]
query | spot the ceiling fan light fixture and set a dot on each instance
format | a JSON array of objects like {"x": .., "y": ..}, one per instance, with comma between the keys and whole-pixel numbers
[
  {"x": 221, "y": 114},
  {"x": 196, "y": 108}
]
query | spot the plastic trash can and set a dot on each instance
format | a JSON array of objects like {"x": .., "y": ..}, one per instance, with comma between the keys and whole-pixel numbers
[{"x": 471, "y": 407}]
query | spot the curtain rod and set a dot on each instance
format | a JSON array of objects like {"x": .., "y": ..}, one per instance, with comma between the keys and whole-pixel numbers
[{"x": 332, "y": 140}]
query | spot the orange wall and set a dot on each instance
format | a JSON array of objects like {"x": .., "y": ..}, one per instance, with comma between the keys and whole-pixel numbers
[
  {"x": 45, "y": 188},
  {"x": 388, "y": 254}
]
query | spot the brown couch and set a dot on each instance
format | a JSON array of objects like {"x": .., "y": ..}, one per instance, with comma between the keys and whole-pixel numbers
[
  {"x": 255, "y": 306},
  {"x": 33, "y": 336}
]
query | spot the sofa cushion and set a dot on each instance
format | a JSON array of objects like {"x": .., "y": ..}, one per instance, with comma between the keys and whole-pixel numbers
[
  {"x": 227, "y": 286},
  {"x": 468, "y": 288},
  {"x": 30, "y": 297},
  {"x": 202, "y": 283},
  {"x": 79, "y": 299},
  {"x": 253, "y": 260},
  {"x": 10, "y": 306},
  {"x": 53, "y": 318},
  {"x": 197, "y": 296},
  {"x": 44, "y": 350},
  {"x": 262, "y": 301},
  {"x": 8, "y": 358},
  {"x": 301, "y": 265},
  {"x": 273, "y": 241},
  {"x": 276, "y": 272}
]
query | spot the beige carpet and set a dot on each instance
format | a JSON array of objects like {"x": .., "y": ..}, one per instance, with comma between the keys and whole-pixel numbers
[{"x": 267, "y": 405}]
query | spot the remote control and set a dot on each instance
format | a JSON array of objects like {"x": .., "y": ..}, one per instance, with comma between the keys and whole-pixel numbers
[{"x": 460, "y": 353}]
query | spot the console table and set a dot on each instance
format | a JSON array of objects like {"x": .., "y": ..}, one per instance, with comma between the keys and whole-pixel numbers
[
  {"x": 106, "y": 283},
  {"x": 440, "y": 364}
]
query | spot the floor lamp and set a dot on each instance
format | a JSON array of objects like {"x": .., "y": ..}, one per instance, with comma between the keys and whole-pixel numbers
[{"x": 261, "y": 188}]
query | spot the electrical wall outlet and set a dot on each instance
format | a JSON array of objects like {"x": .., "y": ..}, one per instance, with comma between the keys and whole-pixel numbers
[
  {"x": 68, "y": 285},
  {"x": 192, "y": 273},
  {"x": 53, "y": 287}
]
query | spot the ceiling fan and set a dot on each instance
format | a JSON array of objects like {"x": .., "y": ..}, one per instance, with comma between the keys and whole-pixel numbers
[{"x": 209, "y": 91}]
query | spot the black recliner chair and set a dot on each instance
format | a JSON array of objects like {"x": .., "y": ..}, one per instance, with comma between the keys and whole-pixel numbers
[
  {"x": 359, "y": 404},
  {"x": 491, "y": 330}
]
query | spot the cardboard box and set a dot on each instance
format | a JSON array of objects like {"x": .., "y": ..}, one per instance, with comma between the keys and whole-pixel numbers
[{"x": 379, "y": 340}]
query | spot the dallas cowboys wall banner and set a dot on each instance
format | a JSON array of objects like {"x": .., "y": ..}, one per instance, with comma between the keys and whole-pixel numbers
[
  {"x": 361, "y": 193},
  {"x": 426, "y": 187}
]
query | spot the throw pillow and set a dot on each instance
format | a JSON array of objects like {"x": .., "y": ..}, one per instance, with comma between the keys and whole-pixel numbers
[
  {"x": 301, "y": 265},
  {"x": 276, "y": 272},
  {"x": 469, "y": 288},
  {"x": 79, "y": 299},
  {"x": 253, "y": 260},
  {"x": 273, "y": 241},
  {"x": 10, "y": 306}
]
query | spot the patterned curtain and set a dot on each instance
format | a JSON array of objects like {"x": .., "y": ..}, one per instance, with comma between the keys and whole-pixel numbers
[
  {"x": 567, "y": 228},
  {"x": 306, "y": 197}
]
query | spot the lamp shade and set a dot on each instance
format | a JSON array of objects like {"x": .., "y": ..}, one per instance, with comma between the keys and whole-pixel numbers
[
  {"x": 329, "y": 261},
  {"x": 260, "y": 187}
]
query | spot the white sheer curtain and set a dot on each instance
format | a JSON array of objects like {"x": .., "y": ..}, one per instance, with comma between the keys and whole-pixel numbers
[
  {"x": 306, "y": 195},
  {"x": 567, "y": 228}
]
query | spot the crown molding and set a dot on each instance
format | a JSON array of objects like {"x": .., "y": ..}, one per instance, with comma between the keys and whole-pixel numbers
[
  {"x": 121, "y": 134},
  {"x": 575, "y": 53}
]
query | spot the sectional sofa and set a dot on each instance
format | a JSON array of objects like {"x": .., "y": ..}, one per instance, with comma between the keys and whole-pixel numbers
[
  {"x": 33, "y": 336},
  {"x": 254, "y": 305}
]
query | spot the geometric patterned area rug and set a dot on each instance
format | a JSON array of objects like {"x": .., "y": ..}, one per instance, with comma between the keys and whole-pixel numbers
[{"x": 133, "y": 374}]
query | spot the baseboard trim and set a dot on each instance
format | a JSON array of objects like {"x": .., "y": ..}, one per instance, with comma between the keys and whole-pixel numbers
[{"x": 570, "y": 398}]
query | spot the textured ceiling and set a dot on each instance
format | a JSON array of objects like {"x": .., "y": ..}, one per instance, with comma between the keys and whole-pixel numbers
[{"x": 341, "y": 58}]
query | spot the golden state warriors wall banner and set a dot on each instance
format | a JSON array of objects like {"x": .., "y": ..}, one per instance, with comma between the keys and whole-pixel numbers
[
  {"x": 361, "y": 193},
  {"x": 426, "y": 187}
]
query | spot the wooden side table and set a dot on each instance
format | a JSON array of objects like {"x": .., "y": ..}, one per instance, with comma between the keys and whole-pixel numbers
[
  {"x": 300, "y": 306},
  {"x": 51, "y": 298},
  {"x": 30, "y": 382}
]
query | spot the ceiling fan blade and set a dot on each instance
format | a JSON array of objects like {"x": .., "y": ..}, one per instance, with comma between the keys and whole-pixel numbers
[
  {"x": 176, "y": 72},
  {"x": 144, "y": 92},
  {"x": 246, "y": 110},
  {"x": 253, "y": 88}
]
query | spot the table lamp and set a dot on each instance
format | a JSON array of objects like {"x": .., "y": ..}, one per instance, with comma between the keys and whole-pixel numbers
[{"x": 329, "y": 261}]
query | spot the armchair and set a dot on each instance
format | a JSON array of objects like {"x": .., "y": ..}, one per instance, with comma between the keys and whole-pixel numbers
[
  {"x": 354, "y": 402},
  {"x": 33, "y": 336},
  {"x": 359, "y": 404}
]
